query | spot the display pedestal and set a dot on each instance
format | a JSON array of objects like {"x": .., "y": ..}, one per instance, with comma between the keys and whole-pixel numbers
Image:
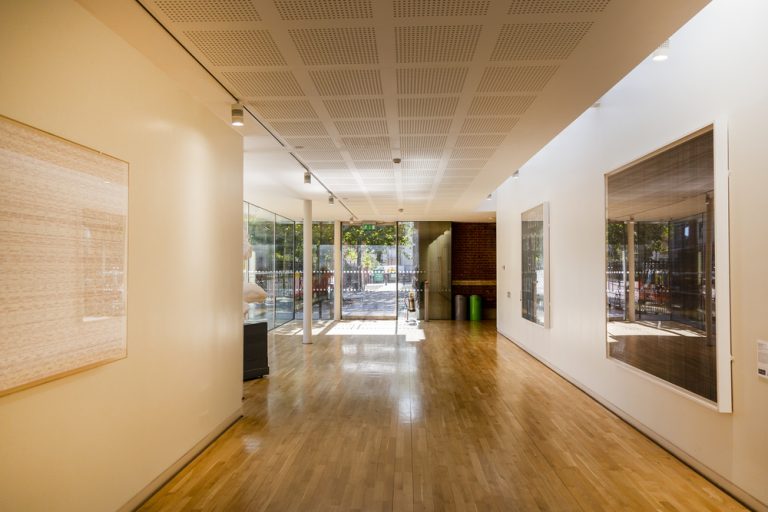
[{"x": 255, "y": 364}]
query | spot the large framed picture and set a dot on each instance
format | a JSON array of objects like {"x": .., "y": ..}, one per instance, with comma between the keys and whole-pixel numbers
[
  {"x": 534, "y": 292},
  {"x": 63, "y": 257}
]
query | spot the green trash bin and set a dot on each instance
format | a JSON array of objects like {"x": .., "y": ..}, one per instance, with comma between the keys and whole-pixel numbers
[{"x": 475, "y": 308}]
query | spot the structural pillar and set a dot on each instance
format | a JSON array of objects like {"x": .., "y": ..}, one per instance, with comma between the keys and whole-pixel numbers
[
  {"x": 307, "y": 281},
  {"x": 631, "y": 271},
  {"x": 338, "y": 279}
]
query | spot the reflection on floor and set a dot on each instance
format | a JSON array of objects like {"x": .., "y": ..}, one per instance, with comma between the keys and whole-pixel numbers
[
  {"x": 672, "y": 351},
  {"x": 365, "y": 420}
]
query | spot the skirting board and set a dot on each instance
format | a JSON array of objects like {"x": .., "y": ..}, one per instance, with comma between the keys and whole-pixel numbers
[
  {"x": 164, "y": 477},
  {"x": 705, "y": 471}
]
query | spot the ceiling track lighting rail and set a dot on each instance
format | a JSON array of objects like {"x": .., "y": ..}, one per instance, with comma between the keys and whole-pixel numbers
[{"x": 244, "y": 108}]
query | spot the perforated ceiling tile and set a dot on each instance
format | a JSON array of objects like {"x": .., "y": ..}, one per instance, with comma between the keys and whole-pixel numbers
[
  {"x": 370, "y": 154},
  {"x": 207, "y": 11},
  {"x": 466, "y": 164},
  {"x": 419, "y": 165},
  {"x": 326, "y": 165},
  {"x": 347, "y": 82},
  {"x": 413, "y": 8},
  {"x": 488, "y": 124},
  {"x": 295, "y": 10},
  {"x": 422, "y": 141},
  {"x": 417, "y": 126},
  {"x": 237, "y": 47},
  {"x": 362, "y": 127},
  {"x": 556, "y": 6},
  {"x": 424, "y": 173},
  {"x": 306, "y": 128},
  {"x": 500, "y": 105},
  {"x": 366, "y": 142},
  {"x": 310, "y": 142},
  {"x": 462, "y": 153},
  {"x": 333, "y": 46},
  {"x": 320, "y": 156},
  {"x": 453, "y": 173},
  {"x": 373, "y": 165},
  {"x": 436, "y": 43},
  {"x": 355, "y": 109},
  {"x": 516, "y": 78},
  {"x": 479, "y": 141},
  {"x": 430, "y": 80},
  {"x": 421, "y": 154},
  {"x": 263, "y": 83},
  {"x": 283, "y": 109},
  {"x": 539, "y": 41},
  {"x": 449, "y": 180},
  {"x": 427, "y": 107}
]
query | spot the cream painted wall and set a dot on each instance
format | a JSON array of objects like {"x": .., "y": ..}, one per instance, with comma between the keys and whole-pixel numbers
[
  {"x": 717, "y": 69},
  {"x": 93, "y": 440}
]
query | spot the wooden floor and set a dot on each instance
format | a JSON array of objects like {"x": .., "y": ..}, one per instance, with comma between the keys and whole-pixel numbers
[{"x": 452, "y": 418}]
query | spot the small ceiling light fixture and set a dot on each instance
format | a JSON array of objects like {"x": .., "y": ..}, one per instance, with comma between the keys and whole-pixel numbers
[
  {"x": 307, "y": 177},
  {"x": 400, "y": 210},
  {"x": 489, "y": 197},
  {"x": 330, "y": 199},
  {"x": 237, "y": 115},
  {"x": 661, "y": 53},
  {"x": 516, "y": 175}
]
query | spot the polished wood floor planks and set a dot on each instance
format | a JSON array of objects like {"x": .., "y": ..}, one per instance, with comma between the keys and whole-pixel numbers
[{"x": 462, "y": 420}]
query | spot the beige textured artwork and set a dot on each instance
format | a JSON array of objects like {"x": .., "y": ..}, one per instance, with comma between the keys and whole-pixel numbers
[{"x": 63, "y": 241}]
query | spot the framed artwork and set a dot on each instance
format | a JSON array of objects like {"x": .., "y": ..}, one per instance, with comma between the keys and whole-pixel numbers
[
  {"x": 63, "y": 255},
  {"x": 534, "y": 291}
]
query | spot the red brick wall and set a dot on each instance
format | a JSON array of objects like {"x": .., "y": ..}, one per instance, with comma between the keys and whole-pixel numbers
[{"x": 473, "y": 256}]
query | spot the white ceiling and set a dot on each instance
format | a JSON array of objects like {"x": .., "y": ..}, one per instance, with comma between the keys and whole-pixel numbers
[{"x": 464, "y": 91}]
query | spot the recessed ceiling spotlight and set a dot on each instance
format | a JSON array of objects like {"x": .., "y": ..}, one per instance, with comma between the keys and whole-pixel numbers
[
  {"x": 400, "y": 210},
  {"x": 661, "y": 53},
  {"x": 237, "y": 115},
  {"x": 307, "y": 177}
]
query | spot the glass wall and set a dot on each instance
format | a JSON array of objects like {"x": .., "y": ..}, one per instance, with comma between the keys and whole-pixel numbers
[
  {"x": 323, "y": 280},
  {"x": 424, "y": 256},
  {"x": 660, "y": 274},
  {"x": 269, "y": 264}
]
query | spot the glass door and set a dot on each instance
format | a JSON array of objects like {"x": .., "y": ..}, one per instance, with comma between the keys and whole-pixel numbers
[{"x": 369, "y": 270}]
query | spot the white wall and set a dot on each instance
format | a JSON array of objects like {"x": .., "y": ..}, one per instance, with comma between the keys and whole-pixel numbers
[
  {"x": 91, "y": 441},
  {"x": 717, "y": 69}
]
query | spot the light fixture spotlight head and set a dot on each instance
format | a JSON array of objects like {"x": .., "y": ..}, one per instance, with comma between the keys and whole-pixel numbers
[
  {"x": 516, "y": 175},
  {"x": 661, "y": 53},
  {"x": 330, "y": 199},
  {"x": 237, "y": 115},
  {"x": 489, "y": 197},
  {"x": 307, "y": 177}
]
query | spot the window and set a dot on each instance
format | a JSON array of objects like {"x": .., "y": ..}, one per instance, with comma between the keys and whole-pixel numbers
[{"x": 534, "y": 294}]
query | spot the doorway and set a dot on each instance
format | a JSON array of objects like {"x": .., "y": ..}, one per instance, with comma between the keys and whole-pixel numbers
[{"x": 369, "y": 270}]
